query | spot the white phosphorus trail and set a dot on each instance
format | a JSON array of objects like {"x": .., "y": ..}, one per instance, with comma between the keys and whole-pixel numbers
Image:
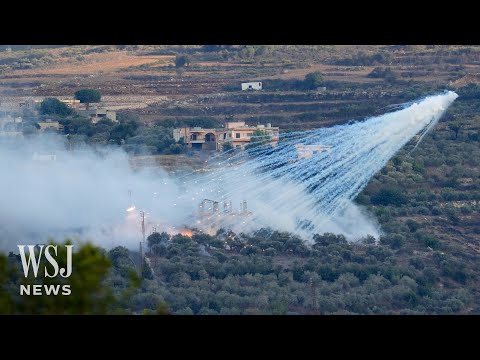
[
  {"x": 308, "y": 195},
  {"x": 84, "y": 194}
]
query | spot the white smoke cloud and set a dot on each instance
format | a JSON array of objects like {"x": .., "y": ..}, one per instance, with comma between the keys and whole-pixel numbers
[
  {"x": 81, "y": 192},
  {"x": 314, "y": 195},
  {"x": 85, "y": 193}
]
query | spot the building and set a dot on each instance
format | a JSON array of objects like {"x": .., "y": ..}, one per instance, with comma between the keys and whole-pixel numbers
[
  {"x": 11, "y": 126},
  {"x": 72, "y": 103},
  {"x": 307, "y": 151},
  {"x": 197, "y": 137},
  {"x": 30, "y": 104},
  {"x": 252, "y": 86},
  {"x": 208, "y": 208},
  {"x": 50, "y": 125},
  {"x": 44, "y": 157},
  {"x": 97, "y": 114},
  {"x": 237, "y": 134},
  {"x": 240, "y": 135},
  {"x": 10, "y": 123}
]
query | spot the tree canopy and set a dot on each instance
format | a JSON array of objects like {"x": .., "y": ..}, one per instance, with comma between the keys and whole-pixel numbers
[
  {"x": 89, "y": 296},
  {"x": 258, "y": 138},
  {"x": 182, "y": 60},
  {"x": 53, "y": 106},
  {"x": 389, "y": 197},
  {"x": 88, "y": 96},
  {"x": 313, "y": 80}
]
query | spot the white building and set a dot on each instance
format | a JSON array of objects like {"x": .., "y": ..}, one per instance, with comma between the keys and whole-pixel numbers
[
  {"x": 44, "y": 157},
  {"x": 11, "y": 126},
  {"x": 252, "y": 86}
]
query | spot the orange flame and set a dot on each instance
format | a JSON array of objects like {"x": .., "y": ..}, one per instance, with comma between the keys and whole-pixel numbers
[{"x": 186, "y": 232}]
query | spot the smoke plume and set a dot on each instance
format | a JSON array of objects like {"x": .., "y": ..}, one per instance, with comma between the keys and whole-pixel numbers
[{"x": 84, "y": 193}]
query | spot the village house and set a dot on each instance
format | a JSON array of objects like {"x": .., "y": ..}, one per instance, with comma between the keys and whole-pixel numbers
[
  {"x": 237, "y": 134},
  {"x": 252, "y": 86},
  {"x": 44, "y": 157},
  {"x": 50, "y": 125},
  {"x": 32, "y": 104},
  {"x": 97, "y": 114},
  {"x": 10, "y": 126}
]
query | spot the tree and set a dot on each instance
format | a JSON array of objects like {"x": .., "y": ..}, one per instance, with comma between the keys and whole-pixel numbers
[
  {"x": 119, "y": 255},
  {"x": 313, "y": 80},
  {"x": 470, "y": 92},
  {"x": 30, "y": 128},
  {"x": 146, "y": 271},
  {"x": 368, "y": 240},
  {"x": 259, "y": 137},
  {"x": 53, "y": 106},
  {"x": 176, "y": 148},
  {"x": 455, "y": 127},
  {"x": 389, "y": 197},
  {"x": 182, "y": 60},
  {"x": 87, "y": 96},
  {"x": 328, "y": 239},
  {"x": 159, "y": 250},
  {"x": 385, "y": 73},
  {"x": 227, "y": 146},
  {"x": 78, "y": 125},
  {"x": 123, "y": 131},
  {"x": 6, "y": 303},
  {"x": 157, "y": 238},
  {"x": 395, "y": 241},
  {"x": 89, "y": 293}
]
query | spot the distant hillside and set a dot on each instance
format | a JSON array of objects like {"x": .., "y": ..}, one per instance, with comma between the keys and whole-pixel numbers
[{"x": 29, "y": 47}]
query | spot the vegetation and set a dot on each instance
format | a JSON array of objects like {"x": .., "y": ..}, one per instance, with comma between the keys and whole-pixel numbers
[
  {"x": 227, "y": 146},
  {"x": 101, "y": 283},
  {"x": 268, "y": 272},
  {"x": 182, "y": 61},
  {"x": 383, "y": 73},
  {"x": 128, "y": 132},
  {"x": 259, "y": 138},
  {"x": 53, "y": 106},
  {"x": 425, "y": 200},
  {"x": 313, "y": 80},
  {"x": 88, "y": 96},
  {"x": 389, "y": 197}
]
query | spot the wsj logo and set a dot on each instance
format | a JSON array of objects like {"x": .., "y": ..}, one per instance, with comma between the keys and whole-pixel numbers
[{"x": 33, "y": 261}]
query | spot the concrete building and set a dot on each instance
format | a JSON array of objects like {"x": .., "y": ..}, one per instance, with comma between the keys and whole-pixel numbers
[
  {"x": 50, "y": 125},
  {"x": 208, "y": 208},
  {"x": 97, "y": 114},
  {"x": 44, "y": 157},
  {"x": 10, "y": 123},
  {"x": 29, "y": 104},
  {"x": 197, "y": 137},
  {"x": 252, "y": 86},
  {"x": 72, "y": 103},
  {"x": 11, "y": 126},
  {"x": 237, "y": 134}
]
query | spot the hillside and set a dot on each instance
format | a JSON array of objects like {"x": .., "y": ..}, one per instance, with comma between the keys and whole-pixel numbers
[{"x": 427, "y": 200}]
